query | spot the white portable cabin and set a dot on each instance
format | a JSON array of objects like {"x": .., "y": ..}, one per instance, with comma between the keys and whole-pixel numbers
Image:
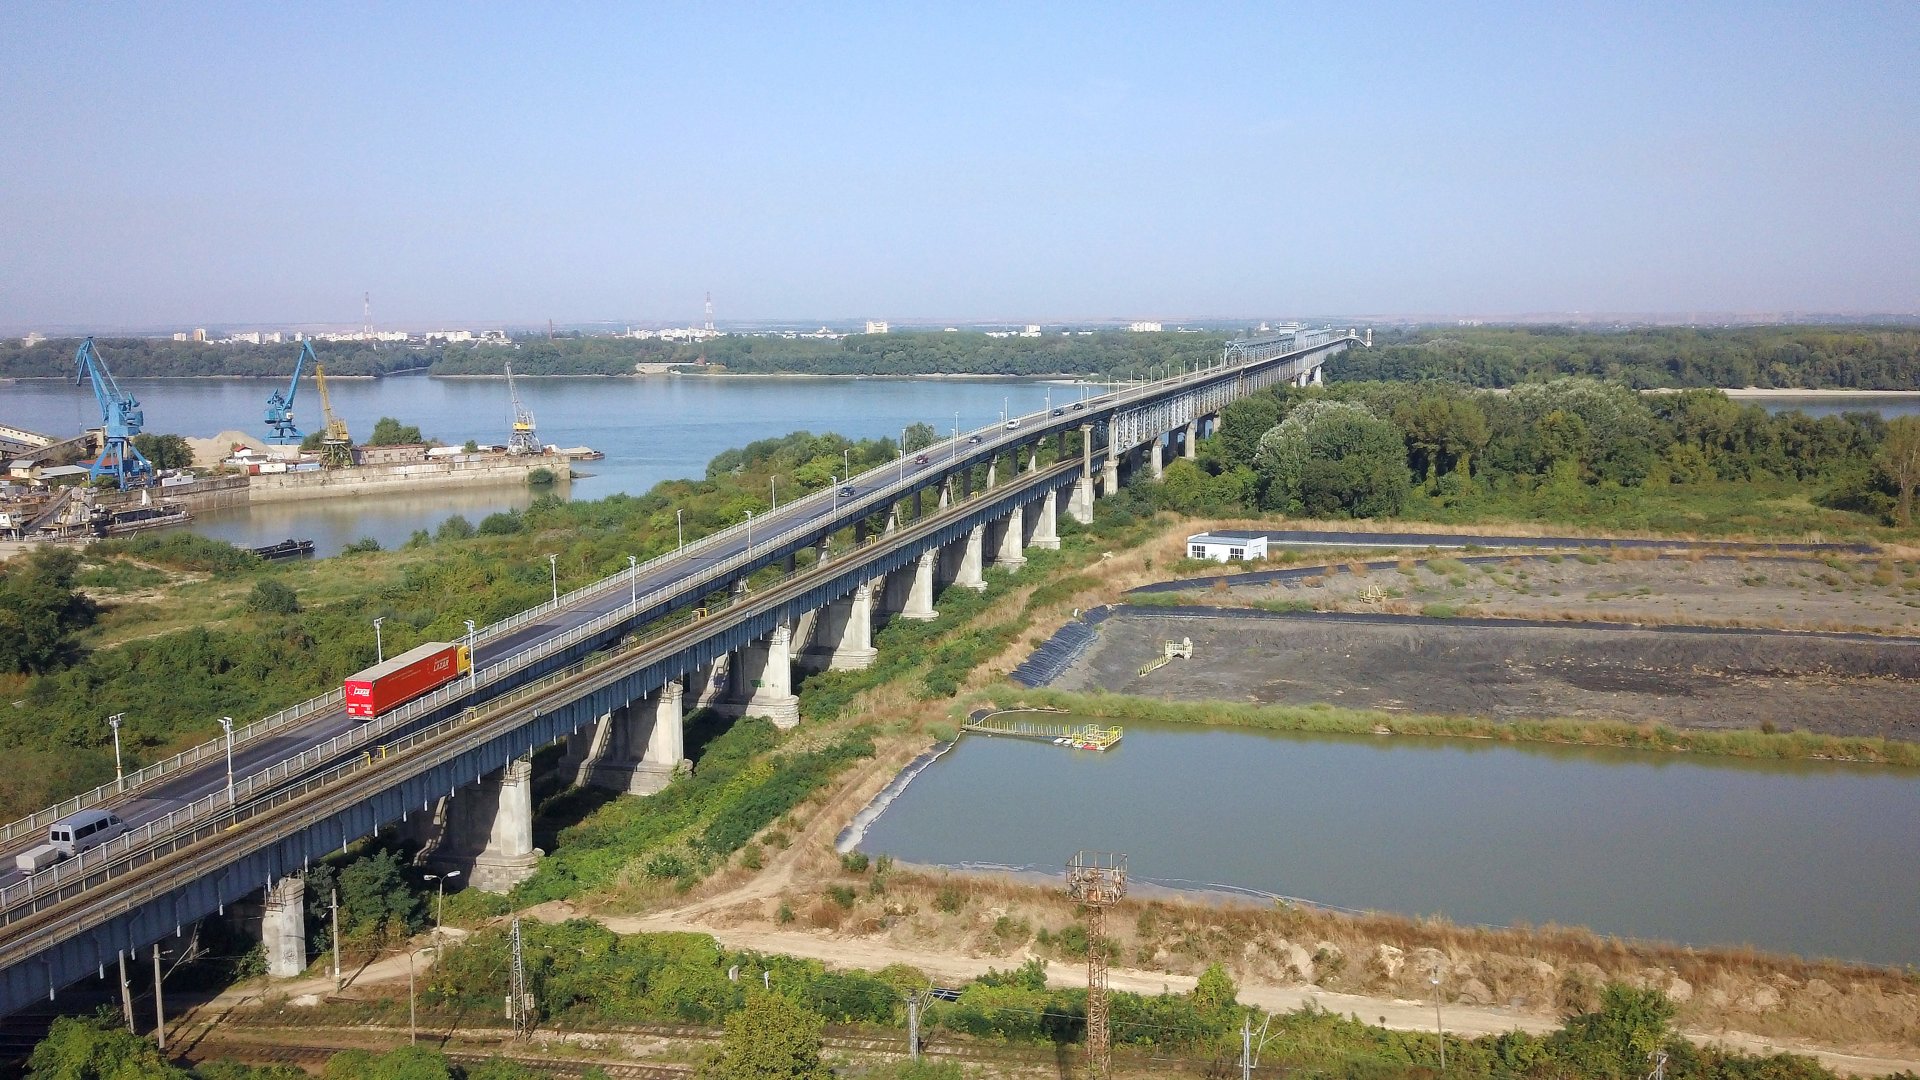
[{"x": 1226, "y": 548}]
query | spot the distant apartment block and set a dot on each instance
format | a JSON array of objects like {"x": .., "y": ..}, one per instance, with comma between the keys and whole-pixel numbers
[
  {"x": 874, "y": 327},
  {"x": 1143, "y": 327}
]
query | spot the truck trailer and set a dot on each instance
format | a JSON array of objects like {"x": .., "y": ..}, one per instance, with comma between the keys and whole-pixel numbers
[{"x": 405, "y": 677}]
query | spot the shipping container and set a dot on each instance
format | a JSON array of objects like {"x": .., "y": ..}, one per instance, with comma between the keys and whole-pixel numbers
[{"x": 403, "y": 678}]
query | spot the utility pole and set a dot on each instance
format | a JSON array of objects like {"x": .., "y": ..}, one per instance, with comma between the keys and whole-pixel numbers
[
  {"x": 159, "y": 1005},
  {"x": 334, "y": 902},
  {"x": 1246, "y": 1048},
  {"x": 1096, "y": 880},
  {"x": 517, "y": 996},
  {"x": 913, "y": 1027},
  {"x": 126, "y": 996}
]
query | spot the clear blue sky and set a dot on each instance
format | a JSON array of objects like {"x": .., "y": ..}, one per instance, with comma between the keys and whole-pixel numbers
[{"x": 267, "y": 163}]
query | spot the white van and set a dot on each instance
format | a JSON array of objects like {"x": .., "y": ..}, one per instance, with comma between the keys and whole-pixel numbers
[{"x": 76, "y": 833}]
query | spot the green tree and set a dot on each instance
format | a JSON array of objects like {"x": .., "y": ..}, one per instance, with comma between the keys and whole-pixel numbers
[
  {"x": 390, "y": 432},
  {"x": 1333, "y": 459},
  {"x": 770, "y": 1038},
  {"x": 41, "y": 610},
  {"x": 98, "y": 1048},
  {"x": 376, "y": 903},
  {"x": 1619, "y": 1038},
  {"x": 919, "y": 437},
  {"x": 1242, "y": 424},
  {"x": 273, "y": 598},
  {"x": 165, "y": 451},
  {"x": 1900, "y": 459},
  {"x": 1214, "y": 992}
]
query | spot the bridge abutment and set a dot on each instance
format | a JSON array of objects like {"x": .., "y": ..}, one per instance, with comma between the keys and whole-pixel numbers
[{"x": 283, "y": 928}]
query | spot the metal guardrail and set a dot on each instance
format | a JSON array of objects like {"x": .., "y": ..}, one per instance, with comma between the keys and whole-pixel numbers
[{"x": 32, "y": 824}]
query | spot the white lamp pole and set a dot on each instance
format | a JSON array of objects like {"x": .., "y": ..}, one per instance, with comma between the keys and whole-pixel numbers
[
  {"x": 226, "y": 725},
  {"x": 773, "y": 493},
  {"x": 633, "y": 581},
  {"x": 119, "y": 774},
  {"x": 749, "y": 534},
  {"x": 473, "y": 662},
  {"x": 553, "y": 568},
  {"x": 679, "y": 532},
  {"x": 379, "y": 647}
]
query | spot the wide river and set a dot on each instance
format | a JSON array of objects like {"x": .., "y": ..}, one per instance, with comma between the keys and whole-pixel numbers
[
  {"x": 1809, "y": 858},
  {"x": 651, "y": 429}
]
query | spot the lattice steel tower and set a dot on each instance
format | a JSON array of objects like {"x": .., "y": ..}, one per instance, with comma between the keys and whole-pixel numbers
[{"x": 1096, "y": 880}]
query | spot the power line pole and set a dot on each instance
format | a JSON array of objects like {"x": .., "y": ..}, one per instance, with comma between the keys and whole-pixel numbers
[
  {"x": 913, "y": 1027},
  {"x": 519, "y": 1002},
  {"x": 1096, "y": 880},
  {"x": 126, "y": 996},
  {"x": 334, "y": 900},
  {"x": 159, "y": 1005},
  {"x": 1246, "y": 1048}
]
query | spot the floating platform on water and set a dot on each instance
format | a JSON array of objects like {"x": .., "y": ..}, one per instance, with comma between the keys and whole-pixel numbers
[{"x": 1076, "y": 736}]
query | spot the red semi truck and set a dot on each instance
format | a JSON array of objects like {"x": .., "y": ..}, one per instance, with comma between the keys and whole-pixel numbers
[{"x": 405, "y": 677}]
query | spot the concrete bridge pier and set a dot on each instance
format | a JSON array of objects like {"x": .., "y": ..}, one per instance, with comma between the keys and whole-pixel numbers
[
  {"x": 1154, "y": 457},
  {"x": 489, "y": 832},
  {"x": 843, "y": 634},
  {"x": 1110, "y": 475},
  {"x": 1188, "y": 441},
  {"x": 766, "y": 680},
  {"x": 916, "y": 587},
  {"x": 970, "y": 559},
  {"x": 634, "y": 749},
  {"x": 1080, "y": 503},
  {"x": 1046, "y": 529},
  {"x": 283, "y": 927},
  {"x": 1009, "y": 553}
]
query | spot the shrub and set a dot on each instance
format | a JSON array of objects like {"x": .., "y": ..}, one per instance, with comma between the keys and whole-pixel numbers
[
  {"x": 273, "y": 598},
  {"x": 364, "y": 545},
  {"x": 666, "y": 864},
  {"x": 854, "y": 862},
  {"x": 503, "y": 523},
  {"x": 949, "y": 899},
  {"x": 841, "y": 894}
]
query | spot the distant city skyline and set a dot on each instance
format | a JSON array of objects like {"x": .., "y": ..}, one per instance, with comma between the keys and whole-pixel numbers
[{"x": 179, "y": 166}]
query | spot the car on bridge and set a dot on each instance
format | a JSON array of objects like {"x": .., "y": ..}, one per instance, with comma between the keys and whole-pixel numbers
[{"x": 920, "y": 459}]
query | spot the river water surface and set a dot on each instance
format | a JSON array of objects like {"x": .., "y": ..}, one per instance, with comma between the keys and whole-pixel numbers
[
  {"x": 651, "y": 429},
  {"x": 1809, "y": 858}
]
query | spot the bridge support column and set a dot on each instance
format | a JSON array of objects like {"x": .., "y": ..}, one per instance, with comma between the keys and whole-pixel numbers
[
  {"x": 766, "y": 682},
  {"x": 1080, "y": 504},
  {"x": 1154, "y": 456},
  {"x": 972, "y": 558},
  {"x": 1110, "y": 475},
  {"x": 490, "y": 830},
  {"x": 843, "y": 635},
  {"x": 1316, "y": 375},
  {"x": 993, "y": 473},
  {"x": 283, "y": 928},
  {"x": 634, "y": 749},
  {"x": 1012, "y": 531},
  {"x": 1188, "y": 448},
  {"x": 919, "y": 599},
  {"x": 1046, "y": 529}
]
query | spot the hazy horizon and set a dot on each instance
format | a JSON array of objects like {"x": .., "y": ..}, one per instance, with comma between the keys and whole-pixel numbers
[{"x": 228, "y": 165}]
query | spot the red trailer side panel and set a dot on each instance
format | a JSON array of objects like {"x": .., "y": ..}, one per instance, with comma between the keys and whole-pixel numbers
[{"x": 403, "y": 678}]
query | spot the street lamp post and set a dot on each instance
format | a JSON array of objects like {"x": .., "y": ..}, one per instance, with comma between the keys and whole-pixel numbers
[
  {"x": 679, "y": 532},
  {"x": 955, "y": 454},
  {"x": 379, "y": 647},
  {"x": 440, "y": 904},
  {"x": 633, "y": 581},
  {"x": 750, "y": 533},
  {"x": 553, "y": 568},
  {"x": 226, "y": 725},
  {"x": 846, "y": 460},
  {"x": 119, "y": 774},
  {"x": 473, "y": 662},
  {"x": 773, "y": 493},
  {"x": 1439, "y": 1031}
]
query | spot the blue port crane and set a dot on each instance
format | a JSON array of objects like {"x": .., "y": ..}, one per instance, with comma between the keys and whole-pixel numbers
[
  {"x": 280, "y": 426},
  {"x": 120, "y": 419}
]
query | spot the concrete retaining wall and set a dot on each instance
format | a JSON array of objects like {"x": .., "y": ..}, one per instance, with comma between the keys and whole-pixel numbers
[{"x": 284, "y": 487}]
